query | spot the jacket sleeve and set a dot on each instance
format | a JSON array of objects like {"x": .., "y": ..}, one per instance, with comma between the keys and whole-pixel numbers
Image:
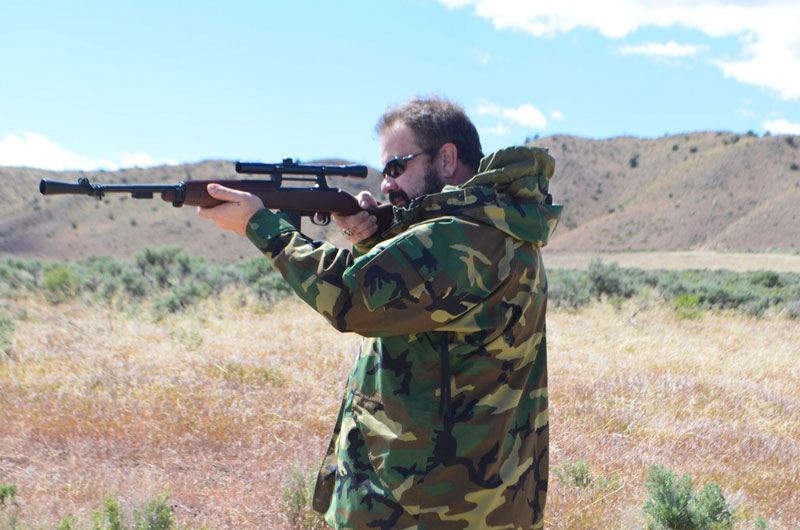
[{"x": 420, "y": 280}]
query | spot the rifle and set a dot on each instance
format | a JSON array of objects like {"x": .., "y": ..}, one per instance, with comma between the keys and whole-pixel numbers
[{"x": 317, "y": 200}]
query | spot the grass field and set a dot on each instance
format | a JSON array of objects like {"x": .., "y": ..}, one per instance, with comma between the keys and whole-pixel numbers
[{"x": 219, "y": 403}]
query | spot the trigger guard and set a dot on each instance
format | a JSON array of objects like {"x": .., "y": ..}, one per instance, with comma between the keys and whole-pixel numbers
[{"x": 321, "y": 219}]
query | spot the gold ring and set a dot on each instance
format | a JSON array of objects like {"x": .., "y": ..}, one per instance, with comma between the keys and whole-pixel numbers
[{"x": 346, "y": 232}]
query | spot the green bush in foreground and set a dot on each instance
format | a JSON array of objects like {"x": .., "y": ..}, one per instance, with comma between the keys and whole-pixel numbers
[
  {"x": 155, "y": 515},
  {"x": 8, "y": 507},
  {"x": 675, "y": 506},
  {"x": 574, "y": 474}
]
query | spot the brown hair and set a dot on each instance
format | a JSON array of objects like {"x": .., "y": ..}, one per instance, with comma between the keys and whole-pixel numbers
[{"x": 435, "y": 121}]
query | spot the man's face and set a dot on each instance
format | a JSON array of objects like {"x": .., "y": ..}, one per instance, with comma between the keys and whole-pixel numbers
[{"x": 420, "y": 176}]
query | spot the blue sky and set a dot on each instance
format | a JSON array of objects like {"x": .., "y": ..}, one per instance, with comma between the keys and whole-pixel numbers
[{"x": 91, "y": 84}]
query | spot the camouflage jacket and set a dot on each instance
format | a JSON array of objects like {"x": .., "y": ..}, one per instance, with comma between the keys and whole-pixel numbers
[{"x": 444, "y": 421}]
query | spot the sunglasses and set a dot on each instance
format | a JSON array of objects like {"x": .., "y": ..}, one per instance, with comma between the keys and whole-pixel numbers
[{"x": 396, "y": 166}]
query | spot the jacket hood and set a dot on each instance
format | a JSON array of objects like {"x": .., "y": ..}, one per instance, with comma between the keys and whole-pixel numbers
[{"x": 509, "y": 192}]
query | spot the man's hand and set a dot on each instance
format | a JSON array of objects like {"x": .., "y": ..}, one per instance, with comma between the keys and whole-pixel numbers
[
  {"x": 360, "y": 226},
  {"x": 235, "y": 212}
]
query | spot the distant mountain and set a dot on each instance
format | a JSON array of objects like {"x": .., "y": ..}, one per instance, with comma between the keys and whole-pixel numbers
[{"x": 712, "y": 190}]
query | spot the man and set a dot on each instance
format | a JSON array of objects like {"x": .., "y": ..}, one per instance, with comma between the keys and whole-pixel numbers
[{"x": 444, "y": 419}]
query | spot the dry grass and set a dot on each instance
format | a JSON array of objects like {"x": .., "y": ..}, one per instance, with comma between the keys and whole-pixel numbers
[
  {"x": 216, "y": 405},
  {"x": 219, "y": 403},
  {"x": 716, "y": 399}
]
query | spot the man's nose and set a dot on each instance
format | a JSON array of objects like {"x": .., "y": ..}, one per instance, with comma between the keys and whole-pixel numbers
[{"x": 388, "y": 184}]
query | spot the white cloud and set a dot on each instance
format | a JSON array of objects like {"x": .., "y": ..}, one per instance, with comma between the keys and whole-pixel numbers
[
  {"x": 526, "y": 114},
  {"x": 498, "y": 130},
  {"x": 781, "y": 127},
  {"x": 35, "y": 150},
  {"x": 668, "y": 49},
  {"x": 769, "y": 29},
  {"x": 557, "y": 115}
]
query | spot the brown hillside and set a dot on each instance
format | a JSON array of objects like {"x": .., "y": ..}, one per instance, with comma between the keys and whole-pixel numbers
[{"x": 708, "y": 190}]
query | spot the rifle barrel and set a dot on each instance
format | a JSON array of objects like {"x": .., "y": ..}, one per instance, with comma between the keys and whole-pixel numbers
[{"x": 55, "y": 187}]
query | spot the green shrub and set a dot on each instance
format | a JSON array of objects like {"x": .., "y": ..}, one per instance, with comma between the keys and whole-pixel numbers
[
  {"x": 156, "y": 515},
  {"x": 188, "y": 265},
  {"x": 609, "y": 280},
  {"x": 568, "y": 288},
  {"x": 157, "y": 263},
  {"x": 767, "y": 279},
  {"x": 752, "y": 293},
  {"x": 171, "y": 276},
  {"x": 6, "y": 336},
  {"x": 270, "y": 287},
  {"x": 109, "y": 289},
  {"x": 11, "y": 279},
  {"x": 674, "y": 505},
  {"x": 257, "y": 268},
  {"x": 59, "y": 284},
  {"x": 17, "y": 274},
  {"x": 217, "y": 277},
  {"x": 574, "y": 474},
  {"x": 7, "y": 492},
  {"x": 98, "y": 270},
  {"x": 181, "y": 297},
  {"x": 710, "y": 509},
  {"x": 111, "y": 517},
  {"x": 687, "y": 306},
  {"x": 8, "y": 507},
  {"x": 135, "y": 284}
]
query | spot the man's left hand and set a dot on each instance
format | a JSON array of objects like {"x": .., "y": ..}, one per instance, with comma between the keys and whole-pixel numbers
[{"x": 235, "y": 212}]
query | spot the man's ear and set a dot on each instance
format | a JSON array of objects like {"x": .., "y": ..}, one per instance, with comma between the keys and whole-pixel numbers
[{"x": 448, "y": 161}]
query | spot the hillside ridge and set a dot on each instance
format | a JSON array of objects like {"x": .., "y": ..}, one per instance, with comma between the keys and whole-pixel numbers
[{"x": 690, "y": 191}]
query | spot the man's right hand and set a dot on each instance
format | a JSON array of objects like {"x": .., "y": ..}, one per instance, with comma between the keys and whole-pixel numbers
[{"x": 357, "y": 227}]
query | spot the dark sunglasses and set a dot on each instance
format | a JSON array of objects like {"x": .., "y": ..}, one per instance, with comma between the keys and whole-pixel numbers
[{"x": 395, "y": 167}]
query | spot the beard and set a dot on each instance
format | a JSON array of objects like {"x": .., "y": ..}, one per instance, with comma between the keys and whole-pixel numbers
[{"x": 432, "y": 182}]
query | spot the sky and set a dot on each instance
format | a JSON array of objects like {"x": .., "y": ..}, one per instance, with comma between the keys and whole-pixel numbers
[{"x": 115, "y": 84}]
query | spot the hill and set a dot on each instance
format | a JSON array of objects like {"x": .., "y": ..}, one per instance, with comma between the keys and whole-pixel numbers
[
  {"x": 709, "y": 190},
  {"x": 706, "y": 190}
]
